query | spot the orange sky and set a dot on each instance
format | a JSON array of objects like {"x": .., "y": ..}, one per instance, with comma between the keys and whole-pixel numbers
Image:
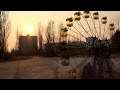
[{"x": 21, "y": 19}]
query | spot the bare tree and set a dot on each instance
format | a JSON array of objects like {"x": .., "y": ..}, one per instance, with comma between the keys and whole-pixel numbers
[
  {"x": 4, "y": 31},
  {"x": 50, "y": 38},
  {"x": 18, "y": 34},
  {"x": 40, "y": 37},
  {"x": 60, "y": 26},
  {"x": 50, "y": 32}
]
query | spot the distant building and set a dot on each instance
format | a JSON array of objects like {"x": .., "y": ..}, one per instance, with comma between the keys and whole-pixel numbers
[
  {"x": 90, "y": 41},
  {"x": 28, "y": 45},
  {"x": 77, "y": 44}
]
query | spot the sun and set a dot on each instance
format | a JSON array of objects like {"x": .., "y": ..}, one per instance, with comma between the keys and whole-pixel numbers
[{"x": 29, "y": 29}]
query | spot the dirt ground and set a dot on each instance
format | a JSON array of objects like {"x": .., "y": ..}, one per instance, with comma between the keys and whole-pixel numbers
[
  {"x": 34, "y": 68},
  {"x": 40, "y": 68}
]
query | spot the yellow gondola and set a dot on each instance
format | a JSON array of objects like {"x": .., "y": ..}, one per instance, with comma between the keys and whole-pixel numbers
[
  {"x": 64, "y": 29},
  {"x": 63, "y": 34},
  {"x": 95, "y": 15},
  {"x": 111, "y": 26},
  {"x": 104, "y": 20},
  {"x": 86, "y": 14},
  {"x": 69, "y": 24},
  {"x": 69, "y": 19},
  {"x": 77, "y": 16}
]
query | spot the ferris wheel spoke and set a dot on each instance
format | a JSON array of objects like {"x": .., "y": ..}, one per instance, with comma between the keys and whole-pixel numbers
[
  {"x": 73, "y": 36},
  {"x": 74, "y": 61},
  {"x": 81, "y": 63},
  {"x": 79, "y": 32},
  {"x": 99, "y": 28},
  {"x": 104, "y": 31},
  {"x": 83, "y": 28},
  {"x": 89, "y": 27},
  {"x": 73, "y": 70},
  {"x": 108, "y": 34},
  {"x": 116, "y": 60},
  {"x": 74, "y": 31},
  {"x": 85, "y": 62},
  {"x": 94, "y": 26}
]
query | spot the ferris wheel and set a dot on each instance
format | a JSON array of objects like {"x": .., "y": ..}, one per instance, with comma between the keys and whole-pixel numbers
[{"x": 96, "y": 33}]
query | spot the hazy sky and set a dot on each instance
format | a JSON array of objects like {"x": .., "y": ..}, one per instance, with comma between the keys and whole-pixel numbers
[{"x": 21, "y": 19}]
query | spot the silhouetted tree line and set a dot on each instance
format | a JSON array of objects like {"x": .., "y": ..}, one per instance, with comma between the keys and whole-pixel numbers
[
  {"x": 115, "y": 39},
  {"x": 47, "y": 39},
  {"x": 50, "y": 39}
]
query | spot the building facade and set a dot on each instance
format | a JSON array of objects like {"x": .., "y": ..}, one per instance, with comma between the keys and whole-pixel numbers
[{"x": 28, "y": 45}]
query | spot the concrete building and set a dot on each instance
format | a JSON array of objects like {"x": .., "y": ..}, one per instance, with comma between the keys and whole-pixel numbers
[{"x": 28, "y": 45}]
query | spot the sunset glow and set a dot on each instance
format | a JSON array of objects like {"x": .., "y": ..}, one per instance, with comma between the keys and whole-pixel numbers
[{"x": 29, "y": 29}]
